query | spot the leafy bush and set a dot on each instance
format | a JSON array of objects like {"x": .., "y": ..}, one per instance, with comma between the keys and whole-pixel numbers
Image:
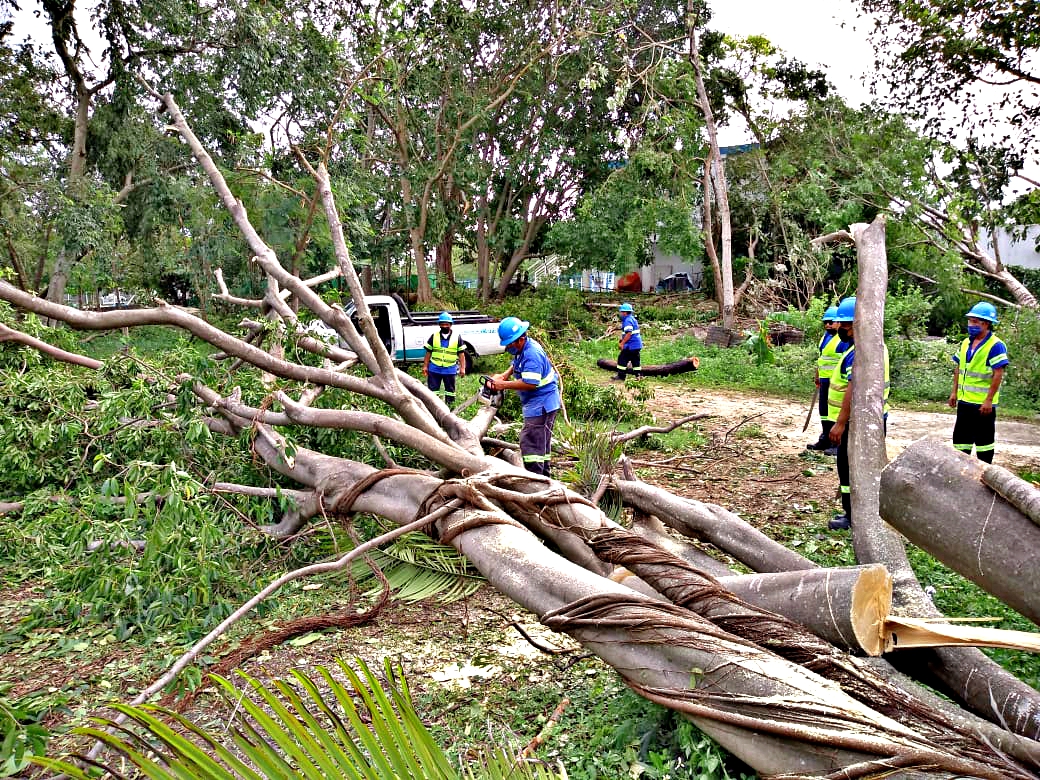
[
  {"x": 1020, "y": 331},
  {"x": 907, "y": 311}
]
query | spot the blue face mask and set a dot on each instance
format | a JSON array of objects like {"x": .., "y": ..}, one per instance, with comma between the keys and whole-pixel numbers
[
  {"x": 974, "y": 331},
  {"x": 513, "y": 350}
]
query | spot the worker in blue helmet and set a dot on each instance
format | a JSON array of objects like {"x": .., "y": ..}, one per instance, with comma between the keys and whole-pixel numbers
[
  {"x": 831, "y": 349},
  {"x": 839, "y": 401},
  {"x": 978, "y": 371},
  {"x": 630, "y": 345},
  {"x": 539, "y": 388},
  {"x": 445, "y": 358}
]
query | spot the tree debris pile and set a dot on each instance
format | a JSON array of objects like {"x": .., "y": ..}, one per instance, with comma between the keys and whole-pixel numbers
[{"x": 781, "y": 691}]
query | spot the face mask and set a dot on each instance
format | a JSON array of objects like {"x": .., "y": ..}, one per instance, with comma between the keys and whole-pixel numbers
[
  {"x": 445, "y": 329},
  {"x": 846, "y": 335},
  {"x": 513, "y": 350},
  {"x": 974, "y": 331}
]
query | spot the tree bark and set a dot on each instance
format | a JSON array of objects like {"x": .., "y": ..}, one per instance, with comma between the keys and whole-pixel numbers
[
  {"x": 716, "y": 173},
  {"x": 935, "y": 496}
]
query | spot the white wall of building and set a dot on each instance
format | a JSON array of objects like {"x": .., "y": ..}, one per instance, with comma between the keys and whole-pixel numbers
[{"x": 1020, "y": 253}]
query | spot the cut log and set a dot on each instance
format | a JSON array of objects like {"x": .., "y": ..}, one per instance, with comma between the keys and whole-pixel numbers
[
  {"x": 667, "y": 369},
  {"x": 847, "y": 606},
  {"x": 935, "y": 497}
]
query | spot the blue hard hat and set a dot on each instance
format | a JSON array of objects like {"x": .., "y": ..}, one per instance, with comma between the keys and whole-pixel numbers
[
  {"x": 445, "y": 317},
  {"x": 830, "y": 314},
  {"x": 984, "y": 311},
  {"x": 625, "y": 307},
  {"x": 510, "y": 329},
  {"x": 846, "y": 311}
]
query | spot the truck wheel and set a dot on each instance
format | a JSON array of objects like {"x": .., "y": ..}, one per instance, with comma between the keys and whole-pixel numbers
[{"x": 470, "y": 359}]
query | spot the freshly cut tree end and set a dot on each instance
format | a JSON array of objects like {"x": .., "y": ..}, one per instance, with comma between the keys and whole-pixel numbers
[
  {"x": 904, "y": 633},
  {"x": 871, "y": 604}
]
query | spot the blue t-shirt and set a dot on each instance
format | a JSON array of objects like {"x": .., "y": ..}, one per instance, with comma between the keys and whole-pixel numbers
[
  {"x": 533, "y": 366},
  {"x": 629, "y": 325}
]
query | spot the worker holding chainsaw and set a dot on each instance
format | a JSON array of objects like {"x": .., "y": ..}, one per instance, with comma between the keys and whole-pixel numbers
[{"x": 539, "y": 388}]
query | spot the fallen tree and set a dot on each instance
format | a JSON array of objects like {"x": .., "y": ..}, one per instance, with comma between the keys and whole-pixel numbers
[
  {"x": 766, "y": 687},
  {"x": 665, "y": 369}
]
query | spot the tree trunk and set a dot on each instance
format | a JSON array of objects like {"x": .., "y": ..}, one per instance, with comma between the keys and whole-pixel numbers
[
  {"x": 716, "y": 174},
  {"x": 960, "y": 672},
  {"x": 935, "y": 496}
]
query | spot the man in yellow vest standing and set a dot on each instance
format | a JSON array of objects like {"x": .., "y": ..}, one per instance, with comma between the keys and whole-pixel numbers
[
  {"x": 978, "y": 371},
  {"x": 839, "y": 399},
  {"x": 445, "y": 359},
  {"x": 831, "y": 349}
]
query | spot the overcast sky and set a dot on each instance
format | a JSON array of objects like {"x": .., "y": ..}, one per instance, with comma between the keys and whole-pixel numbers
[{"x": 820, "y": 33}]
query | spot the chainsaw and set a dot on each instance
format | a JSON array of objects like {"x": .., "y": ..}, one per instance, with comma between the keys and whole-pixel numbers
[{"x": 486, "y": 394}]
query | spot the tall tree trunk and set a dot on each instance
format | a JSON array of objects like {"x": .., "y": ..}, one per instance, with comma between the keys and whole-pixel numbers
[
  {"x": 965, "y": 673},
  {"x": 716, "y": 174},
  {"x": 59, "y": 278},
  {"x": 416, "y": 238}
]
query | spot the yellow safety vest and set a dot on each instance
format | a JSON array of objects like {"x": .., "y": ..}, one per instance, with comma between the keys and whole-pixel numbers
[
  {"x": 445, "y": 357},
  {"x": 974, "y": 377},
  {"x": 840, "y": 383},
  {"x": 829, "y": 355}
]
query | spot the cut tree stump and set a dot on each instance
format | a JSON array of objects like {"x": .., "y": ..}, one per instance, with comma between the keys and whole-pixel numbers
[{"x": 722, "y": 337}]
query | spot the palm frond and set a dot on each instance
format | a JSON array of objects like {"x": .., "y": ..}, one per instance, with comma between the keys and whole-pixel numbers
[
  {"x": 418, "y": 568},
  {"x": 305, "y": 727}
]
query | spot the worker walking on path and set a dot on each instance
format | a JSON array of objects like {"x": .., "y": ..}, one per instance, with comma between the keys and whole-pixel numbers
[
  {"x": 445, "y": 359},
  {"x": 539, "y": 390},
  {"x": 839, "y": 399},
  {"x": 631, "y": 343},
  {"x": 831, "y": 349},
  {"x": 978, "y": 371}
]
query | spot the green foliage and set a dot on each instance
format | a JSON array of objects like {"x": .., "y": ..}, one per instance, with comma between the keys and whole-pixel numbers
[
  {"x": 187, "y": 576},
  {"x": 759, "y": 346},
  {"x": 607, "y": 731},
  {"x": 907, "y": 311},
  {"x": 596, "y": 454},
  {"x": 418, "y": 568},
  {"x": 305, "y": 727},
  {"x": 1020, "y": 331},
  {"x": 21, "y": 734}
]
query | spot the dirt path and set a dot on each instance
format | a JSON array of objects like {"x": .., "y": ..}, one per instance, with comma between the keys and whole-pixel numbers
[{"x": 1018, "y": 443}]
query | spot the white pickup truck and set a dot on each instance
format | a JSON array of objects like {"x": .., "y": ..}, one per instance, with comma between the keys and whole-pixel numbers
[{"x": 405, "y": 332}]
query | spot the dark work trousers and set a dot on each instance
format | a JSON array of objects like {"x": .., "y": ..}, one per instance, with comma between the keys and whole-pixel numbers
[
  {"x": 536, "y": 442},
  {"x": 433, "y": 381},
  {"x": 843, "y": 471},
  {"x": 825, "y": 423},
  {"x": 626, "y": 358},
  {"x": 974, "y": 427}
]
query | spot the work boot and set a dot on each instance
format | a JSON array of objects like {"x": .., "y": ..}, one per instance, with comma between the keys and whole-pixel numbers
[
  {"x": 839, "y": 523},
  {"x": 817, "y": 446},
  {"x": 832, "y": 451},
  {"x": 618, "y": 378}
]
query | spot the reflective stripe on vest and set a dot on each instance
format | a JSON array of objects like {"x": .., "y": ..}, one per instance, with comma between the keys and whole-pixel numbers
[
  {"x": 840, "y": 382},
  {"x": 447, "y": 356},
  {"x": 829, "y": 355},
  {"x": 975, "y": 377},
  {"x": 536, "y": 379}
]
